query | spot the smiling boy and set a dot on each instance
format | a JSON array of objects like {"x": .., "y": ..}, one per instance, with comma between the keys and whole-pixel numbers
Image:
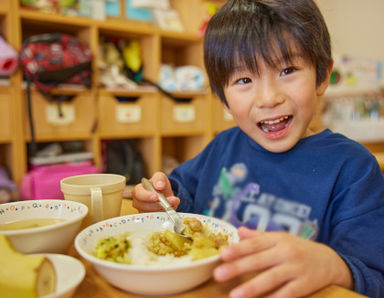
[{"x": 318, "y": 196}]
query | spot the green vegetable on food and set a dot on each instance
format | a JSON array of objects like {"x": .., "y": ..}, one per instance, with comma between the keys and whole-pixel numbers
[{"x": 113, "y": 249}]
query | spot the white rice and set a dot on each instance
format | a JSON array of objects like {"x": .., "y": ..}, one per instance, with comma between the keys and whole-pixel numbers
[{"x": 139, "y": 254}]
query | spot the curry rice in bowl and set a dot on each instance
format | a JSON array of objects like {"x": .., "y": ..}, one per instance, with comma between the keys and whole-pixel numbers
[
  {"x": 146, "y": 267},
  {"x": 42, "y": 226}
]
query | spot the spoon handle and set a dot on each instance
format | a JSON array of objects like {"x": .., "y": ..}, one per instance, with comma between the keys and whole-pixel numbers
[{"x": 162, "y": 201}]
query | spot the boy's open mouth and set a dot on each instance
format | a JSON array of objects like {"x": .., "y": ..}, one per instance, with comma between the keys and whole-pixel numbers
[{"x": 275, "y": 125}]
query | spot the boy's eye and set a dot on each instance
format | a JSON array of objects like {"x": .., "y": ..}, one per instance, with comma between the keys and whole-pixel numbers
[
  {"x": 288, "y": 71},
  {"x": 243, "y": 81}
]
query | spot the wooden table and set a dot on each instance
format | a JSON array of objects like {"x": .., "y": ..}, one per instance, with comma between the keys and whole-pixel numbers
[{"x": 96, "y": 287}]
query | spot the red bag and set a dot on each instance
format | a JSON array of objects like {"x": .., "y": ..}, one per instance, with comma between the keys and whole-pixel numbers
[{"x": 55, "y": 58}]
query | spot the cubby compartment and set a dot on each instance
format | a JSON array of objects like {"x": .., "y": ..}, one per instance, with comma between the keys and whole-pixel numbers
[
  {"x": 127, "y": 113},
  {"x": 176, "y": 150},
  {"x": 131, "y": 157},
  {"x": 5, "y": 157},
  {"x": 34, "y": 23},
  {"x": 148, "y": 147},
  {"x": 192, "y": 13},
  {"x": 179, "y": 49},
  {"x": 124, "y": 36},
  {"x": 72, "y": 119},
  {"x": 186, "y": 114},
  {"x": 59, "y": 152},
  {"x": 5, "y": 115},
  {"x": 3, "y": 20}
]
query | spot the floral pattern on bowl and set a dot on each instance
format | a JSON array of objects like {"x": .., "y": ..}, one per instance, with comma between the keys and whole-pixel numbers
[{"x": 156, "y": 219}]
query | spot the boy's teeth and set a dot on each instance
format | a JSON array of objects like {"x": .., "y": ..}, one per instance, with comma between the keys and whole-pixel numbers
[
  {"x": 274, "y": 125},
  {"x": 270, "y": 122}
]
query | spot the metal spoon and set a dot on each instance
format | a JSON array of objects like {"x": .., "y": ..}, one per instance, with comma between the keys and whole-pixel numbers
[{"x": 178, "y": 225}]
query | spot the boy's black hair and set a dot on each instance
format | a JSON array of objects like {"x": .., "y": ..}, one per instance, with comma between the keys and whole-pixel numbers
[{"x": 244, "y": 30}]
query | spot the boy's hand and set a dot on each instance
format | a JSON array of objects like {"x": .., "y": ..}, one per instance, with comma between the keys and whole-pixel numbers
[
  {"x": 146, "y": 201},
  {"x": 287, "y": 265}
]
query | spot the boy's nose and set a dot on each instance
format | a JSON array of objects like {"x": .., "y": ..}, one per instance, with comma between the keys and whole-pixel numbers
[{"x": 268, "y": 95}]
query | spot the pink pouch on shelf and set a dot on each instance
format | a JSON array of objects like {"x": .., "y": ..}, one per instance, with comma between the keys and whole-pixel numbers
[
  {"x": 43, "y": 182},
  {"x": 8, "y": 58}
]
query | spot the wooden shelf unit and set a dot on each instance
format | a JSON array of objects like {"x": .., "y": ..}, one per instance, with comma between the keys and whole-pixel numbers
[{"x": 158, "y": 124}]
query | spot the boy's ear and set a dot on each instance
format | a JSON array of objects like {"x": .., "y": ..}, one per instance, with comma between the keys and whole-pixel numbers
[{"x": 324, "y": 84}]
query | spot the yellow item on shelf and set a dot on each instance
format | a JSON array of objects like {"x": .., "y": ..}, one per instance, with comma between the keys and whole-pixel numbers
[
  {"x": 22, "y": 275},
  {"x": 211, "y": 8},
  {"x": 132, "y": 55}
]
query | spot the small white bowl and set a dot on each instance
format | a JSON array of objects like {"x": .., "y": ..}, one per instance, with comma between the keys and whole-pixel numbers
[
  {"x": 70, "y": 272},
  {"x": 55, "y": 238},
  {"x": 148, "y": 279}
]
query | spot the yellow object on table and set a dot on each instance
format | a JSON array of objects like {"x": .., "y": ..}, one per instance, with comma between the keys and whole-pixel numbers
[
  {"x": 23, "y": 275},
  {"x": 127, "y": 208}
]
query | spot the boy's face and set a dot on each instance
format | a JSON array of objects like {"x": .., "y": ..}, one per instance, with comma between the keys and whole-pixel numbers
[{"x": 275, "y": 106}]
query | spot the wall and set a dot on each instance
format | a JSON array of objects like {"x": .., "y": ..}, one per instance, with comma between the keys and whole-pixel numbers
[
  {"x": 356, "y": 30},
  {"x": 355, "y": 26}
]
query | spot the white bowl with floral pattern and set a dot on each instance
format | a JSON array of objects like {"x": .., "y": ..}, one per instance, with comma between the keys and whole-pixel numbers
[
  {"x": 53, "y": 238},
  {"x": 165, "y": 279}
]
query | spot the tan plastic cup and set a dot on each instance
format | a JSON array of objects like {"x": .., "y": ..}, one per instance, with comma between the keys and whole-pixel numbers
[{"x": 102, "y": 193}]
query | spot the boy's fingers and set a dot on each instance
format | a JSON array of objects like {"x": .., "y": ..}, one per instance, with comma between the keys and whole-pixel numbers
[
  {"x": 162, "y": 184},
  {"x": 245, "y": 233},
  {"x": 260, "y": 242},
  {"x": 147, "y": 201},
  {"x": 139, "y": 193},
  {"x": 174, "y": 201},
  {"x": 264, "y": 283},
  {"x": 145, "y": 206},
  {"x": 250, "y": 263}
]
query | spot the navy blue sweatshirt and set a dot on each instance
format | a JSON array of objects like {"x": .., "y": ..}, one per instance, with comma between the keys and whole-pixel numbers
[{"x": 327, "y": 188}]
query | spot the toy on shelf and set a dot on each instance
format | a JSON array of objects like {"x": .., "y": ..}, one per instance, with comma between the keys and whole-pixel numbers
[
  {"x": 182, "y": 78},
  {"x": 111, "y": 65}
]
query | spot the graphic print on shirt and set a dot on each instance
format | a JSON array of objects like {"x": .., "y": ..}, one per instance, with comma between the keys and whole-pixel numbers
[{"x": 249, "y": 206}]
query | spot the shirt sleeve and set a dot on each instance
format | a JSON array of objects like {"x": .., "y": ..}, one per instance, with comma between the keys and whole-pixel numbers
[
  {"x": 367, "y": 281},
  {"x": 355, "y": 232}
]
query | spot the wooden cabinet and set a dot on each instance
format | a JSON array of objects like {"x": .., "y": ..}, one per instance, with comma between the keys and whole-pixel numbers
[
  {"x": 5, "y": 115},
  {"x": 161, "y": 126}
]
